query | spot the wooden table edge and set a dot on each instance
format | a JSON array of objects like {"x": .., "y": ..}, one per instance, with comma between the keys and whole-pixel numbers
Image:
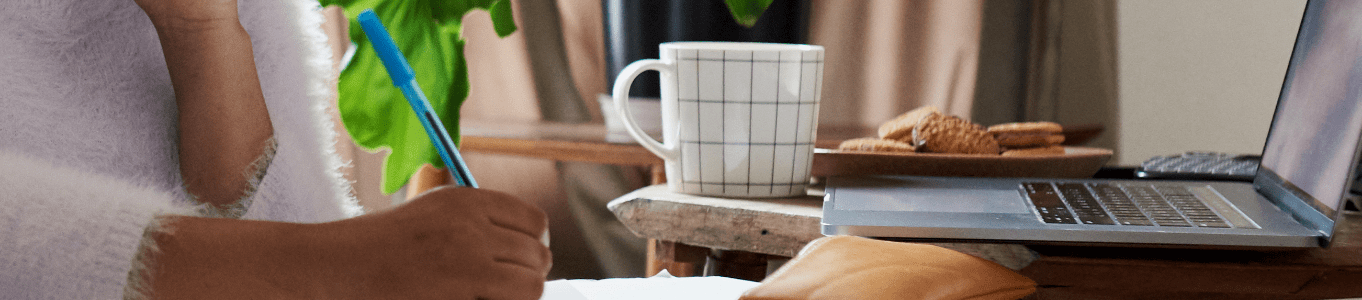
[{"x": 604, "y": 153}]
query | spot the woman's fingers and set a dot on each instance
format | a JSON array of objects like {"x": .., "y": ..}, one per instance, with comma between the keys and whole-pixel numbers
[
  {"x": 510, "y": 247},
  {"x": 511, "y": 213}
]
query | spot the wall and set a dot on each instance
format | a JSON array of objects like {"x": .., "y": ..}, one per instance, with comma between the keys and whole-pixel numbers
[{"x": 1200, "y": 75}]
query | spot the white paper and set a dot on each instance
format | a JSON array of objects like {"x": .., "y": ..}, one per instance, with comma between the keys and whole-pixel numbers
[{"x": 661, "y": 287}]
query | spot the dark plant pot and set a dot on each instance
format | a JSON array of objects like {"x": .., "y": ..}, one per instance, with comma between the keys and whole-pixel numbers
[{"x": 634, "y": 28}]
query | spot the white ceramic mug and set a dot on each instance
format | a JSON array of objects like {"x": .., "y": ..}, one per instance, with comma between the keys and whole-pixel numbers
[{"x": 738, "y": 119}]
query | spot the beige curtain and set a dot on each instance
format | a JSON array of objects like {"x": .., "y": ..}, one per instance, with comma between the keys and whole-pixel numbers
[
  {"x": 1072, "y": 78},
  {"x": 885, "y": 57}
]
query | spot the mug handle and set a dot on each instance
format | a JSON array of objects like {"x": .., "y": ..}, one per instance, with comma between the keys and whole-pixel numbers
[{"x": 621, "y": 97}]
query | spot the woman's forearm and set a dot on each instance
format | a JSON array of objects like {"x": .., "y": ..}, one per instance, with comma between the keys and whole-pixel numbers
[
  {"x": 215, "y": 258},
  {"x": 448, "y": 243},
  {"x": 224, "y": 127}
]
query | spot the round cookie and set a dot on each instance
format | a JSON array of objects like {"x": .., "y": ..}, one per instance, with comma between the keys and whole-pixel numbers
[
  {"x": 1042, "y": 151},
  {"x": 901, "y": 127},
  {"x": 875, "y": 145},
  {"x": 950, "y": 134},
  {"x": 1028, "y": 134}
]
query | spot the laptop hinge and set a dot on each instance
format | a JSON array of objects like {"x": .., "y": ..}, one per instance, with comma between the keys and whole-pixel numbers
[{"x": 1295, "y": 206}]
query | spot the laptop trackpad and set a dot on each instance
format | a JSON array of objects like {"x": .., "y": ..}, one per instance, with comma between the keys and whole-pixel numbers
[{"x": 931, "y": 200}]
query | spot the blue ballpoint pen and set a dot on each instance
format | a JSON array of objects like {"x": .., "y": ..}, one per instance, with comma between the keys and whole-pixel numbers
[{"x": 405, "y": 79}]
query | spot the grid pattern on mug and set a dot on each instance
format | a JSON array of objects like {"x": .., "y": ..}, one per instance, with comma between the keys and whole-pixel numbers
[{"x": 754, "y": 114}]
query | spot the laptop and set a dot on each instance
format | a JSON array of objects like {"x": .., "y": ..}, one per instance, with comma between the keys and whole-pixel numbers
[{"x": 1294, "y": 200}]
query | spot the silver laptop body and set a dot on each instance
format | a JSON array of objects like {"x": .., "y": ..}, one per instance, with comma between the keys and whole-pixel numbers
[{"x": 1309, "y": 163}]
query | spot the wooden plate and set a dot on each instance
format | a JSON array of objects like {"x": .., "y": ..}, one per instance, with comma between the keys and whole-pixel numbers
[{"x": 1076, "y": 162}]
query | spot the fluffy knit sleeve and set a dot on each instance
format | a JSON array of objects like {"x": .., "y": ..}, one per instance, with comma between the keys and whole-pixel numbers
[{"x": 70, "y": 234}]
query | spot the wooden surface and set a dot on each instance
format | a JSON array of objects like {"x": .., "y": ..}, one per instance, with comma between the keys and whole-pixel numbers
[
  {"x": 554, "y": 141},
  {"x": 1116, "y": 273},
  {"x": 585, "y": 142},
  {"x": 594, "y": 143},
  {"x": 781, "y": 227},
  {"x": 777, "y": 227},
  {"x": 1077, "y": 162},
  {"x": 678, "y": 259}
]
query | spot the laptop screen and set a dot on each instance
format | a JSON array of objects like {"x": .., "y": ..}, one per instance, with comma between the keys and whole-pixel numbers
[{"x": 1313, "y": 142}]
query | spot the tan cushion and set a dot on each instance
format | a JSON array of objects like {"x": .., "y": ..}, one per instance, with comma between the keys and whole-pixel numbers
[{"x": 844, "y": 267}]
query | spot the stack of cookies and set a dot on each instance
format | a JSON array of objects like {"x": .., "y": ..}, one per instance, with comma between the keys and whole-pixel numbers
[
  {"x": 929, "y": 130},
  {"x": 1028, "y": 139}
]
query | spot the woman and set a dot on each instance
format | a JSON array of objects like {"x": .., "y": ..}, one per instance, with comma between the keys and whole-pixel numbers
[{"x": 114, "y": 173}]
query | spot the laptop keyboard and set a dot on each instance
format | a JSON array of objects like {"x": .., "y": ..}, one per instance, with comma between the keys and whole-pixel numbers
[{"x": 1121, "y": 204}]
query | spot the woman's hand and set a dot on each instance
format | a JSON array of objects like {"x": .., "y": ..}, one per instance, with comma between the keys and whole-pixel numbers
[{"x": 449, "y": 243}]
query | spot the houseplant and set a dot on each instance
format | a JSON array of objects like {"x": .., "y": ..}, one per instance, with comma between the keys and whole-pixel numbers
[{"x": 429, "y": 34}]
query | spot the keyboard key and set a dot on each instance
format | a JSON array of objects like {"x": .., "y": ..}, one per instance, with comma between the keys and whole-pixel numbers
[
  {"x": 1160, "y": 211},
  {"x": 1059, "y": 220},
  {"x": 1128, "y": 213},
  {"x": 1099, "y": 221},
  {"x": 1136, "y": 222},
  {"x": 1173, "y": 224}
]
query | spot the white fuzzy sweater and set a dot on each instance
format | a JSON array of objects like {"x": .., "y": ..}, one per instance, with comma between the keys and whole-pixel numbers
[{"x": 88, "y": 140}]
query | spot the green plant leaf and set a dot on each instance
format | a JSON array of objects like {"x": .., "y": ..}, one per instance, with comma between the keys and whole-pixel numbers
[
  {"x": 746, "y": 12},
  {"x": 502, "y": 19},
  {"x": 375, "y": 112}
]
